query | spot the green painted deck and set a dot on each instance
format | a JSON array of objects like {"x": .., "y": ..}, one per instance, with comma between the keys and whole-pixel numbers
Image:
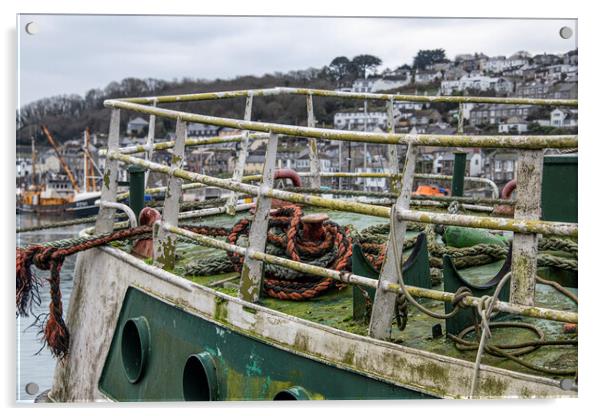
[{"x": 335, "y": 308}]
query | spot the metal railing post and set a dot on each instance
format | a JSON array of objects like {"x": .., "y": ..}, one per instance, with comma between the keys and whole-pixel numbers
[
  {"x": 384, "y": 301},
  {"x": 104, "y": 221},
  {"x": 392, "y": 155},
  {"x": 252, "y": 270},
  {"x": 314, "y": 159},
  {"x": 239, "y": 169},
  {"x": 460, "y": 118},
  {"x": 136, "y": 195},
  {"x": 524, "y": 246},
  {"x": 164, "y": 247},
  {"x": 459, "y": 172},
  {"x": 150, "y": 142}
]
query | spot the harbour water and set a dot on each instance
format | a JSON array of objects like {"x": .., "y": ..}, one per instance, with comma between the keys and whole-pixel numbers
[{"x": 34, "y": 363}]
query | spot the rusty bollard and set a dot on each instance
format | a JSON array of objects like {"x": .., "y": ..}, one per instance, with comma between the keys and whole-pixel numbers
[{"x": 313, "y": 226}]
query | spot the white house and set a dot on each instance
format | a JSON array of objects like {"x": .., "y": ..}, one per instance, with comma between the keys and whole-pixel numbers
[
  {"x": 474, "y": 164},
  {"x": 563, "y": 118},
  {"x": 500, "y": 63},
  {"x": 202, "y": 130},
  {"x": 356, "y": 120},
  {"x": 136, "y": 126},
  {"x": 426, "y": 77},
  {"x": 23, "y": 167},
  {"x": 513, "y": 125},
  {"x": 378, "y": 84},
  {"x": 477, "y": 82}
]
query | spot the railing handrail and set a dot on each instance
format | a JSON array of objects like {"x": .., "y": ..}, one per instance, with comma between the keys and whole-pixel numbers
[
  {"x": 349, "y": 95},
  {"x": 491, "y": 141}
]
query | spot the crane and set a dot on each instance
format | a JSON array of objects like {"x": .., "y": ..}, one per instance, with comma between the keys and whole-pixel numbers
[{"x": 61, "y": 160}]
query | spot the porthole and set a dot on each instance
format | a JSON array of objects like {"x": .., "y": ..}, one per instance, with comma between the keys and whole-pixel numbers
[
  {"x": 135, "y": 341},
  {"x": 293, "y": 393},
  {"x": 199, "y": 380}
]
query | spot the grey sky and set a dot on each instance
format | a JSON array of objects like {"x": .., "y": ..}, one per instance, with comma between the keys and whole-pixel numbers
[{"x": 72, "y": 54}]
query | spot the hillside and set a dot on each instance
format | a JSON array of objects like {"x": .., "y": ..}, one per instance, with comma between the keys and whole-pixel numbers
[{"x": 67, "y": 116}]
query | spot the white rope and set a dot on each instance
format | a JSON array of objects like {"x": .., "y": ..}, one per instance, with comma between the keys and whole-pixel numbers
[{"x": 485, "y": 307}]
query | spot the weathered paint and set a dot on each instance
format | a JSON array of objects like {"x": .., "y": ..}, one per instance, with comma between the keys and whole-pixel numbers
[
  {"x": 524, "y": 246},
  {"x": 141, "y": 148},
  {"x": 392, "y": 156},
  {"x": 314, "y": 158},
  {"x": 349, "y": 95},
  {"x": 473, "y": 200},
  {"x": 164, "y": 244},
  {"x": 239, "y": 168},
  {"x": 252, "y": 270},
  {"x": 384, "y": 301},
  {"x": 150, "y": 141},
  {"x": 94, "y": 310},
  {"x": 104, "y": 221},
  {"x": 245, "y": 368},
  {"x": 513, "y": 142},
  {"x": 531, "y": 226},
  {"x": 535, "y": 312}
]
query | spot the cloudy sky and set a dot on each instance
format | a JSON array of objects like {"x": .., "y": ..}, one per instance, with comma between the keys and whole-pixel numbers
[{"x": 74, "y": 53}]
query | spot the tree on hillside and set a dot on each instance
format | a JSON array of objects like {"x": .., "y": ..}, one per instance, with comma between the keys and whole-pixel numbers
[
  {"x": 365, "y": 63},
  {"x": 426, "y": 57},
  {"x": 340, "y": 68}
]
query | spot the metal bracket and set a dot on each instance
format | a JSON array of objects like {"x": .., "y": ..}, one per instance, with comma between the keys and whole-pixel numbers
[
  {"x": 122, "y": 207},
  {"x": 164, "y": 249},
  {"x": 384, "y": 301},
  {"x": 252, "y": 270},
  {"x": 104, "y": 221}
]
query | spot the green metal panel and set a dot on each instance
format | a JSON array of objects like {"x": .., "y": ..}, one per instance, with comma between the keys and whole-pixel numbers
[
  {"x": 243, "y": 368},
  {"x": 559, "y": 188},
  {"x": 136, "y": 197},
  {"x": 453, "y": 280},
  {"x": 458, "y": 176},
  {"x": 415, "y": 270}
]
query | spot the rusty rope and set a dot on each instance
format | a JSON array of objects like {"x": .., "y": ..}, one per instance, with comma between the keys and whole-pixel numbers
[{"x": 48, "y": 257}]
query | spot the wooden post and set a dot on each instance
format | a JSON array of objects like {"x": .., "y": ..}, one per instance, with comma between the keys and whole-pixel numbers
[
  {"x": 384, "y": 301},
  {"x": 252, "y": 270},
  {"x": 524, "y": 246}
]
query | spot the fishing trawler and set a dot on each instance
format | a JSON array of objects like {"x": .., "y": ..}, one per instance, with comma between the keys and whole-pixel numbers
[
  {"x": 60, "y": 195},
  {"x": 296, "y": 296}
]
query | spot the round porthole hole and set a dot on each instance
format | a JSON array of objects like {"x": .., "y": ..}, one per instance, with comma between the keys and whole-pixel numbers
[
  {"x": 293, "y": 393},
  {"x": 135, "y": 341},
  {"x": 199, "y": 380}
]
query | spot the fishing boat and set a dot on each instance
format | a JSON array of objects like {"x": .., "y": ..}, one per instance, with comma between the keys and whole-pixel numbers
[
  {"x": 299, "y": 296},
  {"x": 60, "y": 195}
]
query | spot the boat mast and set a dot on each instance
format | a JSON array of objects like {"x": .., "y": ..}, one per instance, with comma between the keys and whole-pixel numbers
[
  {"x": 85, "y": 160},
  {"x": 33, "y": 162},
  {"x": 61, "y": 160}
]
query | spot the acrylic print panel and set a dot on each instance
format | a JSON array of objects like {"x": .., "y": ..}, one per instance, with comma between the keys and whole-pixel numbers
[{"x": 207, "y": 202}]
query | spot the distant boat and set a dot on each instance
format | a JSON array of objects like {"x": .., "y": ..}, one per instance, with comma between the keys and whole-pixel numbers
[{"x": 61, "y": 195}]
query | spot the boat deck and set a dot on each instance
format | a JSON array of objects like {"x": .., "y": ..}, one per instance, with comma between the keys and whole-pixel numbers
[{"x": 335, "y": 309}]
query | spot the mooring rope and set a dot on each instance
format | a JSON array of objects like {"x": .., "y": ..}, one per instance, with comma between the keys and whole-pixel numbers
[{"x": 51, "y": 256}]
